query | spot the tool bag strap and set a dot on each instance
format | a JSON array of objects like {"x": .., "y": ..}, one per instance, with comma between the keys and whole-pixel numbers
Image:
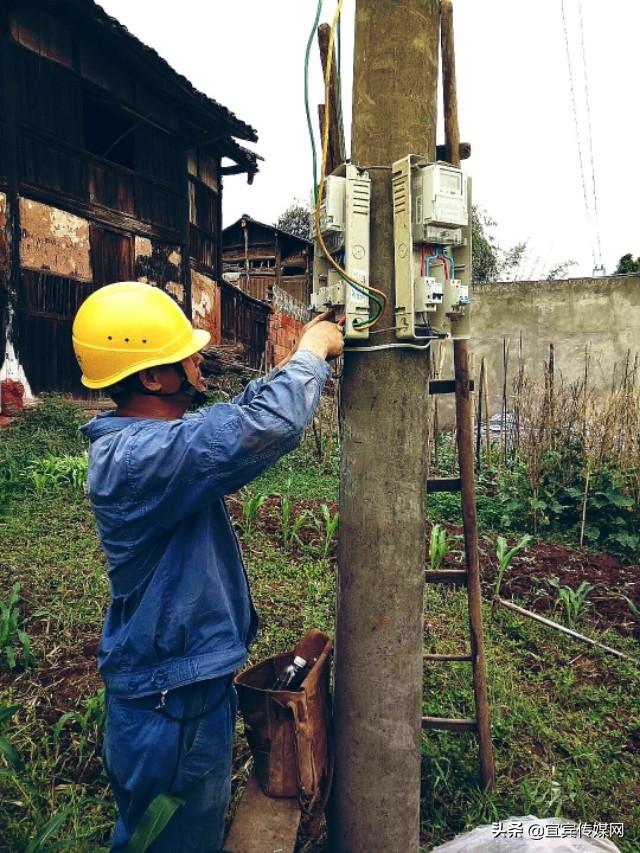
[
  {"x": 312, "y": 799},
  {"x": 312, "y": 718}
]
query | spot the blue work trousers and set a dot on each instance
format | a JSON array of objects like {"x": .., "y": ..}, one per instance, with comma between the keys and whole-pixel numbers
[{"x": 185, "y": 749}]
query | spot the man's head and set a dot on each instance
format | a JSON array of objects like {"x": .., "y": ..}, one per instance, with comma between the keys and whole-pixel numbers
[{"x": 132, "y": 340}]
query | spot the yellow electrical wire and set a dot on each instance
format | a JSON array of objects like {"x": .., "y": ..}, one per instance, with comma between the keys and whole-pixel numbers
[{"x": 359, "y": 285}]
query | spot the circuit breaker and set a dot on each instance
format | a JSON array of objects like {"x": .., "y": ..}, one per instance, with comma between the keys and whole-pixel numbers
[
  {"x": 432, "y": 249},
  {"x": 344, "y": 225}
]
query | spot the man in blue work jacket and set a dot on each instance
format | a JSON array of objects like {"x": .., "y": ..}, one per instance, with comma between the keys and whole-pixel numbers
[{"x": 181, "y": 617}]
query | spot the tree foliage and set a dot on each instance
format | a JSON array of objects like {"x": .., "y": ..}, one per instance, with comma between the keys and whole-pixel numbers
[
  {"x": 490, "y": 261},
  {"x": 627, "y": 265},
  {"x": 486, "y": 252},
  {"x": 296, "y": 220}
]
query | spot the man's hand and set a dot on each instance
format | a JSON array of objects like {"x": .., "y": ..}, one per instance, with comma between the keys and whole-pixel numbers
[
  {"x": 325, "y": 319},
  {"x": 325, "y": 338}
]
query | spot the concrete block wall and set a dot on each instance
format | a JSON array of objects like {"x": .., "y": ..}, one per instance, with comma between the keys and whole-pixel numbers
[{"x": 601, "y": 313}]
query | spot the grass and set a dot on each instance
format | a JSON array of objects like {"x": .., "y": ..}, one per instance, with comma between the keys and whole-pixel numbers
[{"x": 566, "y": 719}]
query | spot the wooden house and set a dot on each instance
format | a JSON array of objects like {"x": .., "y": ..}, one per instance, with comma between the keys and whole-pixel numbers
[
  {"x": 257, "y": 256},
  {"x": 111, "y": 168}
]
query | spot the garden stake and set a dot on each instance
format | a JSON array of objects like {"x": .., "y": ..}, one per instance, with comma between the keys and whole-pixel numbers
[{"x": 551, "y": 624}]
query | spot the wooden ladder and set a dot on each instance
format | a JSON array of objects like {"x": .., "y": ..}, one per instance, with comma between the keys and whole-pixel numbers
[{"x": 462, "y": 386}]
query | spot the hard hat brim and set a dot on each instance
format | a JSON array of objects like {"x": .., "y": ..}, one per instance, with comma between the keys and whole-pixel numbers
[{"x": 199, "y": 340}]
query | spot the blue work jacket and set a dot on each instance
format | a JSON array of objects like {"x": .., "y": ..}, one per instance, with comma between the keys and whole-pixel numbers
[{"x": 180, "y": 608}]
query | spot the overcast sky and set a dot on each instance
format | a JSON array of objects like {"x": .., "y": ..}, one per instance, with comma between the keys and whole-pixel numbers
[{"x": 514, "y": 97}]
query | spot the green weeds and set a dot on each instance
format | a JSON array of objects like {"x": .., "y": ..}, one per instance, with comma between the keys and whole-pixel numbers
[
  {"x": 291, "y": 524},
  {"x": 565, "y": 727},
  {"x": 90, "y": 720},
  {"x": 55, "y": 471},
  {"x": 13, "y": 640},
  {"x": 7, "y": 749}
]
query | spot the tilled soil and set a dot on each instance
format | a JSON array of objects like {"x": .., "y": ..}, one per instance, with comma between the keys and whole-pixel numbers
[
  {"x": 69, "y": 674},
  {"x": 527, "y": 580},
  {"x": 533, "y": 568}
]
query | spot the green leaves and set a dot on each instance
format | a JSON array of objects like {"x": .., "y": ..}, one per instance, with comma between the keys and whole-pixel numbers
[
  {"x": 48, "y": 831},
  {"x": 505, "y": 555},
  {"x": 573, "y": 602},
  {"x": 330, "y": 524},
  {"x": 153, "y": 821},
  {"x": 292, "y": 524},
  {"x": 12, "y": 637},
  {"x": 438, "y": 546},
  {"x": 54, "y": 471},
  {"x": 90, "y": 722},
  {"x": 251, "y": 503},
  {"x": 7, "y": 749}
]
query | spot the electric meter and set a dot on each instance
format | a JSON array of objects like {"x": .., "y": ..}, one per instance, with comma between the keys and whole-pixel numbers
[
  {"x": 439, "y": 196},
  {"x": 432, "y": 249}
]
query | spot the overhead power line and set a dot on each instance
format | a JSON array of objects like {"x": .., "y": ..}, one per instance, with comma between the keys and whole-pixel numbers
[
  {"x": 575, "y": 119},
  {"x": 593, "y": 171}
]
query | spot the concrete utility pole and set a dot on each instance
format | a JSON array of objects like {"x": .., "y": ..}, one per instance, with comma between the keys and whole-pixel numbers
[{"x": 381, "y": 551}]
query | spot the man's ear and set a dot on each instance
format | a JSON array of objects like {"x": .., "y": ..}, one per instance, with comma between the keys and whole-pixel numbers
[{"x": 150, "y": 379}]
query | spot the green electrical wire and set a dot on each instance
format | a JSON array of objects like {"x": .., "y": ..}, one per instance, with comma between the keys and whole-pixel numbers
[
  {"x": 314, "y": 153},
  {"x": 379, "y": 304}
]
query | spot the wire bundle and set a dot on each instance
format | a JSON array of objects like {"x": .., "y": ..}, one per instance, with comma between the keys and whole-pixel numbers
[{"x": 376, "y": 296}]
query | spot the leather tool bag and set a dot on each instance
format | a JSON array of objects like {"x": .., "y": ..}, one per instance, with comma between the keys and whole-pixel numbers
[{"x": 289, "y": 731}]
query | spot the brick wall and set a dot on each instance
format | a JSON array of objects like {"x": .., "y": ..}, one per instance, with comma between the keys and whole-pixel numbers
[{"x": 285, "y": 325}]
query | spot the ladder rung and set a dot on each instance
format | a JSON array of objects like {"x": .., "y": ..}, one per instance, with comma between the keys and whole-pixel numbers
[
  {"x": 457, "y": 576},
  {"x": 449, "y": 725},
  {"x": 445, "y": 386},
  {"x": 443, "y": 484},
  {"x": 447, "y": 657}
]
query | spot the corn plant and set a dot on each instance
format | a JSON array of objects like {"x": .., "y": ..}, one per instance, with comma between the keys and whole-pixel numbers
[
  {"x": 573, "y": 601},
  {"x": 505, "y": 555},
  {"x": 158, "y": 814},
  {"x": 49, "y": 830},
  {"x": 635, "y": 611},
  {"x": 54, "y": 471},
  {"x": 327, "y": 525},
  {"x": 251, "y": 503},
  {"x": 12, "y": 637},
  {"x": 438, "y": 546},
  {"x": 7, "y": 749},
  {"x": 291, "y": 525},
  {"x": 91, "y": 721}
]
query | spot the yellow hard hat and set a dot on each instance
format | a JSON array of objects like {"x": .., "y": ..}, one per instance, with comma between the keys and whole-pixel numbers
[{"x": 129, "y": 326}]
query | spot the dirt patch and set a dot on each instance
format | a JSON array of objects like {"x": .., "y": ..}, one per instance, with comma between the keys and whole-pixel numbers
[
  {"x": 531, "y": 571},
  {"x": 60, "y": 682},
  {"x": 269, "y": 521},
  {"x": 528, "y": 579}
]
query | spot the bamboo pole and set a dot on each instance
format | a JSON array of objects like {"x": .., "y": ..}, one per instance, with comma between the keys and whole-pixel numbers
[
  {"x": 551, "y": 624},
  {"x": 479, "y": 422},
  {"x": 487, "y": 415},
  {"x": 464, "y": 427},
  {"x": 334, "y": 157}
]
